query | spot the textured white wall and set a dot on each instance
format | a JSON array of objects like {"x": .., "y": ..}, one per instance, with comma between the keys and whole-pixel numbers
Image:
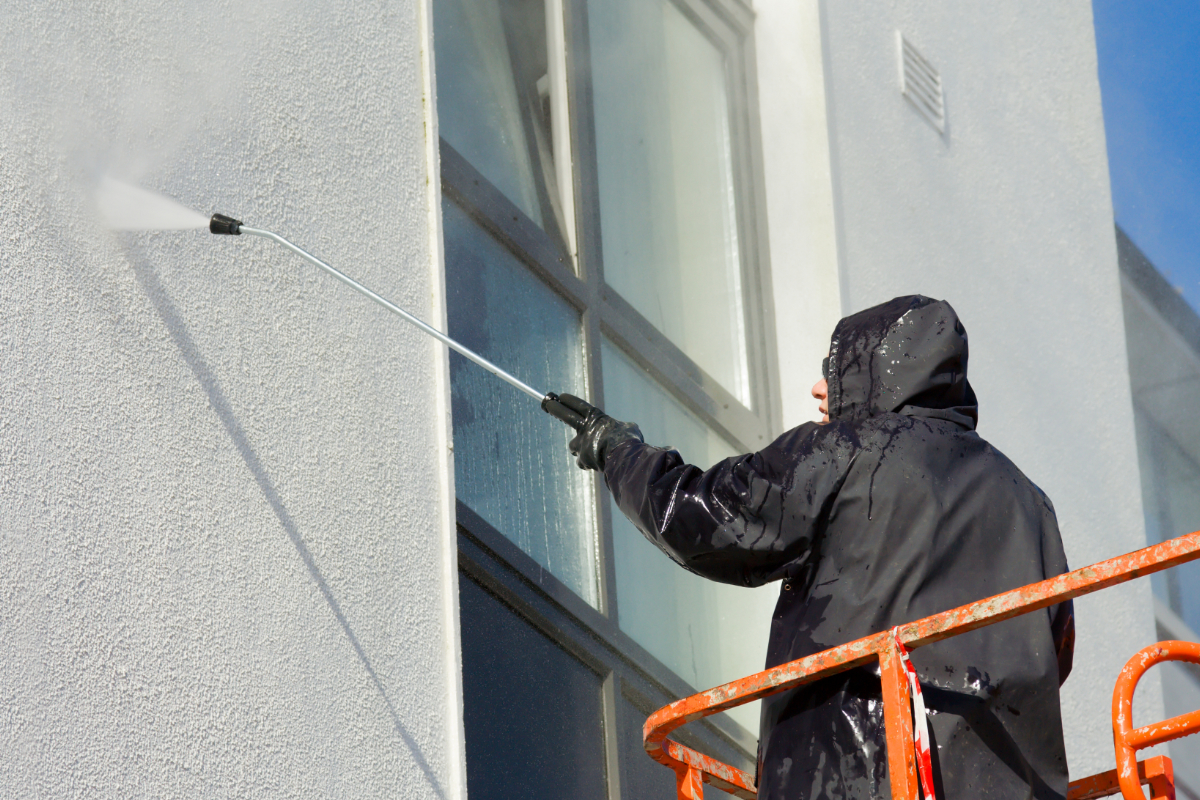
[
  {"x": 225, "y": 557},
  {"x": 1008, "y": 217}
]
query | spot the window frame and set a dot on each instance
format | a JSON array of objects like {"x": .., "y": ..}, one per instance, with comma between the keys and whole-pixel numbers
[
  {"x": 729, "y": 26},
  {"x": 488, "y": 557},
  {"x": 501, "y": 568}
]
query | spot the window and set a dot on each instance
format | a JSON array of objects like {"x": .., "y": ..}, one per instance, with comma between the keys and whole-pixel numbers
[
  {"x": 505, "y": 467},
  {"x": 1170, "y": 469},
  {"x": 668, "y": 205},
  {"x": 602, "y": 233}
]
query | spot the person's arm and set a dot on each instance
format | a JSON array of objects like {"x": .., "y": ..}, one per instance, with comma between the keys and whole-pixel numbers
[
  {"x": 1054, "y": 563},
  {"x": 1062, "y": 626},
  {"x": 740, "y": 521}
]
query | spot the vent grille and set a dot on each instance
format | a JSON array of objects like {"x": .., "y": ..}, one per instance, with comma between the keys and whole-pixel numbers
[{"x": 921, "y": 84}]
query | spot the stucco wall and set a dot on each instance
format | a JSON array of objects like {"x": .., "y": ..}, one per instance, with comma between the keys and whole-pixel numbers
[
  {"x": 225, "y": 553},
  {"x": 1009, "y": 217}
]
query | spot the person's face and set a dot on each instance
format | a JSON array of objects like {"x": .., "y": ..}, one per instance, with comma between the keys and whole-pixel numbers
[{"x": 820, "y": 391}]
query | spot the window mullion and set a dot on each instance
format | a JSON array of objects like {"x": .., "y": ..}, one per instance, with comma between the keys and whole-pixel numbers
[
  {"x": 576, "y": 60},
  {"x": 606, "y": 558},
  {"x": 560, "y": 118},
  {"x": 586, "y": 198}
]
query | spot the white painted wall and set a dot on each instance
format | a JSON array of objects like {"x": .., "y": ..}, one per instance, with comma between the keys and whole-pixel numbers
[
  {"x": 1009, "y": 217},
  {"x": 226, "y": 564}
]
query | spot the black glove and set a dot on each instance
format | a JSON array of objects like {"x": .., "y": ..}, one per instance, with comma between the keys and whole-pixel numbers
[{"x": 597, "y": 432}]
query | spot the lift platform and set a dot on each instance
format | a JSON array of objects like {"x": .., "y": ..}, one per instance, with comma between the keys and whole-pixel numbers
[{"x": 694, "y": 769}]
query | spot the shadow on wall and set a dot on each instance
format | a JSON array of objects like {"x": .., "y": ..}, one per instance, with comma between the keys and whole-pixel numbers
[{"x": 177, "y": 328}]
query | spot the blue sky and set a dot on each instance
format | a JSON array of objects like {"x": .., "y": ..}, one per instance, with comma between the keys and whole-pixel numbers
[{"x": 1149, "y": 53}]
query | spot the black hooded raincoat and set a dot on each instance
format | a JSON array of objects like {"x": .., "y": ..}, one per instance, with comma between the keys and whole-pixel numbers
[{"x": 894, "y": 510}]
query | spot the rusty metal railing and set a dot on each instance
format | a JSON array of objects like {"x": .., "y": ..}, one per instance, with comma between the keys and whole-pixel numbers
[
  {"x": 1156, "y": 772},
  {"x": 693, "y": 769},
  {"x": 1128, "y": 741}
]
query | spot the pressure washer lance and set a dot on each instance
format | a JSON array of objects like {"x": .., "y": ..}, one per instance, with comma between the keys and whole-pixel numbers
[{"x": 550, "y": 402}]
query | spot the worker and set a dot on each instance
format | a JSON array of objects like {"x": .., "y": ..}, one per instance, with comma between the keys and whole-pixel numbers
[{"x": 890, "y": 509}]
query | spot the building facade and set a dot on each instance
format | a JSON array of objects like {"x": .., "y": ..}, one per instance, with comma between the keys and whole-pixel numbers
[
  {"x": 260, "y": 538},
  {"x": 1164, "y": 367}
]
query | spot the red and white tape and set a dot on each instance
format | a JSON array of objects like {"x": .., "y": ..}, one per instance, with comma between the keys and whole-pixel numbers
[{"x": 920, "y": 720}]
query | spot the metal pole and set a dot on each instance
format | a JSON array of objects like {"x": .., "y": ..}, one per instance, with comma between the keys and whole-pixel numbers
[{"x": 395, "y": 309}]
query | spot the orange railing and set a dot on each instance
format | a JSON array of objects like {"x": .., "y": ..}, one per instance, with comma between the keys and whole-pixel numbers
[
  {"x": 693, "y": 769},
  {"x": 1157, "y": 773}
]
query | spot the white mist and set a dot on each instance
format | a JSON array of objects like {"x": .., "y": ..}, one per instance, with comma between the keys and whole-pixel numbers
[{"x": 124, "y": 207}]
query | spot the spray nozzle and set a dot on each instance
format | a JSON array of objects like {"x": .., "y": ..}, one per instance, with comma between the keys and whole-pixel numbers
[{"x": 226, "y": 225}]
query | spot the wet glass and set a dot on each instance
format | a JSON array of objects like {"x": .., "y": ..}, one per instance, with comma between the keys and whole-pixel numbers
[
  {"x": 532, "y": 713},
  {"x": 642, "y": 778},
  {"x": 668, "y": 205},
  {"x": 511, "y": 464},
  {"x": 706, "y": 632},
  {"x": 493, "y": 87}
]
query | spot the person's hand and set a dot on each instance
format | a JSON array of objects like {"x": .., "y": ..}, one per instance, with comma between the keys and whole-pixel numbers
[{"x": 596, "y": 432}]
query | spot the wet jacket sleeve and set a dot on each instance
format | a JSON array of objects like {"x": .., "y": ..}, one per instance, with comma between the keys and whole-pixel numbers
[
  {"x": 1054, "y": 563},
  {"x": 1062, "y": 627},
  {"x": 745, "y": 519}
]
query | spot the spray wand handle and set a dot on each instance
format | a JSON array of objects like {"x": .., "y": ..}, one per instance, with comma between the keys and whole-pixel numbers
[
  {"x": 554, "y": 406},
  {"x": 559, "y": 408},
  {"x": 229, "y": 226}
]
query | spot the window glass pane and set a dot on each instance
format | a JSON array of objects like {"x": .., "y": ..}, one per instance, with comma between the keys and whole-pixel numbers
[
  {"x": 479, "y": 112},
  {"x": 667, "y": 201},
  {"x": 707, "y": 632},
  {"x": 511, "y": 464},
  {"x": 494, "y": 98},
  {"x": 642, "y": 778},
  {"x": 532, "y": 712}
]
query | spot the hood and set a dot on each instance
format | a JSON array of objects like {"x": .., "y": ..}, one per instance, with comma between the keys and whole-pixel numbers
[{"x": 908, "y": 356}]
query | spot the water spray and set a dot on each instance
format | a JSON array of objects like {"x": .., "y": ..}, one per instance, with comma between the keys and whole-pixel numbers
[{"x": 221, "y": 224}]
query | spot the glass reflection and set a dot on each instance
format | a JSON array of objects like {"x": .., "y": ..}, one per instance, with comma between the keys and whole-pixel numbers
[
  {"x": 495, "y": 84},
  {"x": 1171, "y": 499},
  {"x": 706, "y": 632},
  {"x": 668, "y": 209},
  {"x": 532, "y": 713},
  {"x": 511, "y": 464}
]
